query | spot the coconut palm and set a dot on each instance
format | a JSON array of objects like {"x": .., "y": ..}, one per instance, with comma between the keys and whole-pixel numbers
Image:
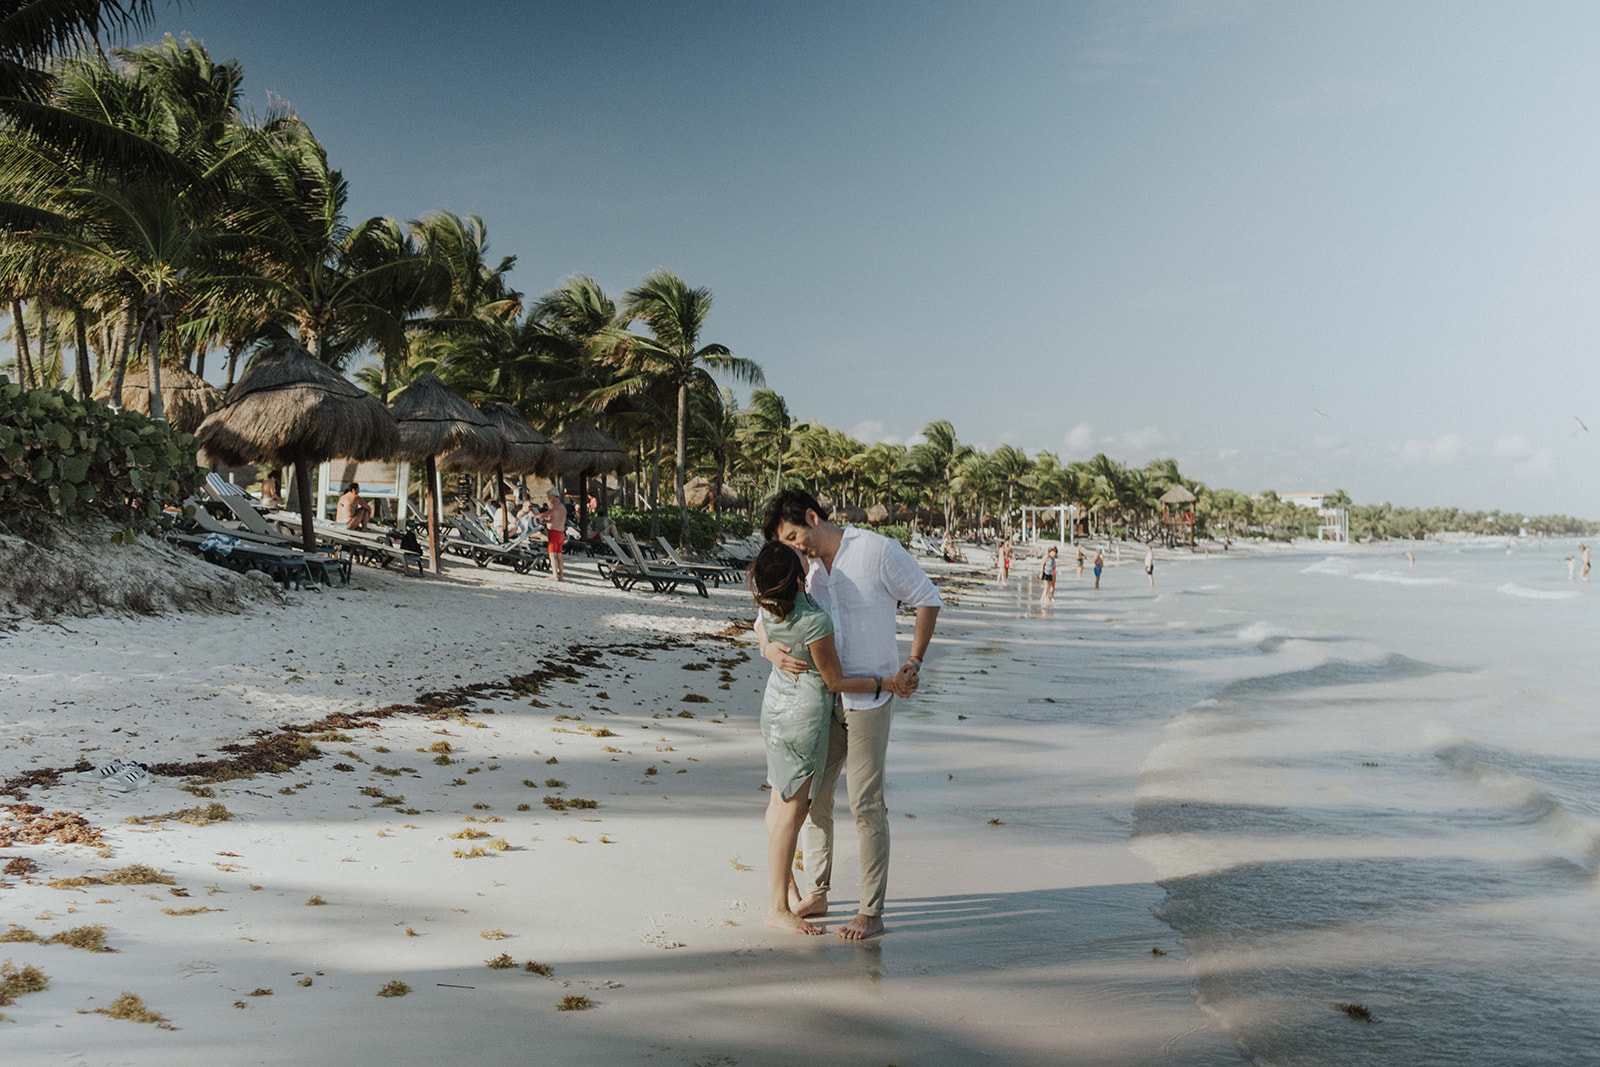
[
  {"x": 766, "y": 424},
  {"x": 676, "y": 314}
]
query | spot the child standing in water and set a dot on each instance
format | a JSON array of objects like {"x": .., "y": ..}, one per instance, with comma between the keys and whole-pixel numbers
[
  {"x": 1048, "y": 577},
  {"x": 796, "y": 714}
]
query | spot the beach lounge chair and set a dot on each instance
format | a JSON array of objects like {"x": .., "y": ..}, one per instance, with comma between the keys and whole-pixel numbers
[
  {"x": 220, "y": 487},
  {"x": 286, "y": 566},
  {"x": 364, "y": 546},
  {"x": 206, "y": 522},
  {"x": 663, "y": 579},
  {"x": 717, "y": 572},
  {"x": 475, "y": 542}
]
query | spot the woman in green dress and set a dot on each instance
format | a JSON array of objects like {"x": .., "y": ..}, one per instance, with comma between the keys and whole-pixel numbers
[{"x": 796, "y": 714}]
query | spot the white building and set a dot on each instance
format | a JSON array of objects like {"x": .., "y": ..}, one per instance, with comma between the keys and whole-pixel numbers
[{"x": 1312, "y": 501}]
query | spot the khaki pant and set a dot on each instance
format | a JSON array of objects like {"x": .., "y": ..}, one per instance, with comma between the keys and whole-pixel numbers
[{"x": 858, "y": 741}]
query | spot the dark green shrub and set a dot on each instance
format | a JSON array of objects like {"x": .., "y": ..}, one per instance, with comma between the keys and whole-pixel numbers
[
  {"x": 702, "y": 525},
  {"x": 899, "y": 531},
  {"x": 64, "y": 458}
]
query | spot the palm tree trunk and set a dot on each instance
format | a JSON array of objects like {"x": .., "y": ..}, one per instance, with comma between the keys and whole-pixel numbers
[
  {"x": 716, "y": 493},
  {"x": 234, "y": 347},
  {"x": 24, "y": 356},
  {"x": 156, "y": 409},
  {"x": 119, "y": 361},
  {"x": 683, "y": 451},
  {"x": 302, "y": 489},
  {"x": 655, "y": 488},
  {"x": 44, "y": 344},
  {"x": 80, "y": 324}
]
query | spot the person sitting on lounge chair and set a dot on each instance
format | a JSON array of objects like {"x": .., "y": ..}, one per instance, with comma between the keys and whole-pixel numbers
[
  {"x": 272, "y": 491},
  {"x": 353, "y": 511}
]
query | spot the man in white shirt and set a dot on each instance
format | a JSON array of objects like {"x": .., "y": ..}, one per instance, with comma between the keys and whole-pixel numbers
[{"x": 859, "y": 578}]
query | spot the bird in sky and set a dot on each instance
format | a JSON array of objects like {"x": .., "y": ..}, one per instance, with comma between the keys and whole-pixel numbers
[
  {"x": 1580, "y": 423},
  {"x": 1324, "y": 414}
]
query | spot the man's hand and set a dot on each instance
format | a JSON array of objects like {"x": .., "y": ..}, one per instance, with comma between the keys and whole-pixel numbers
[
  {"x": 778, "y": 656},
  {"x": 906, "y": 680}
]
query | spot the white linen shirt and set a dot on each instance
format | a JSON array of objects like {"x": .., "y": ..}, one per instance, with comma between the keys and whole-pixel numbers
[{"x": 871, "y": 575}]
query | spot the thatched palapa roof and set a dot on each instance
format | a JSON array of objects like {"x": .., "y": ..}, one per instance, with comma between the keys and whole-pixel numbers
[
  {"x": 527, "y": 451},
  {"x": 877, "y": 513},
  {"x": 1177, "y": 495},
  {"x": 587, "y": 452},
  {"x": 289, "y": 407},
  {"x": 435, "y": 422},
  {"x": 186, "y": 399}
]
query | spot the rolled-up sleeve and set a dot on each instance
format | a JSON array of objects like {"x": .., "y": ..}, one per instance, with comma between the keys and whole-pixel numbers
[{"x": 907, "y": 581}]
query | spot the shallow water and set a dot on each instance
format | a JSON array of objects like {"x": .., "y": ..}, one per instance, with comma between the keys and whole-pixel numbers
[{"x": 1370, "y": 783}]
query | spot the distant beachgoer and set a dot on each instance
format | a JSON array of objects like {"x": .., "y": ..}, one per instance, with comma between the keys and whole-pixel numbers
[
  {"x": 554, "y": 515},
  {"x": 353, "y": 511},
  {"x": 796, "y": 716},
  {"x": 859, "y": 578},
  {"x": 1411, "y": 560},
  {"x": 1572, "y": 567},
  {"x": 1005, "y": 560},
  {"x": 1099, "y": 565},
  {"x": 1048, "y": 576},
  {"x": 1081, "y": 558},
  {"x": 1583, "y": 552},
  {"x": 525, "y": 518},
  {"x": 1150, "y": 563},
  {"x": 272, "y": 491}
]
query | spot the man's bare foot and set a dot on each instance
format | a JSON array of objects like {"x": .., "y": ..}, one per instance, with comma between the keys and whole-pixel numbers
[
  {"x": 861, "y": 927},
  {"x": 811, "y": 907},
  {"x": 791, "y": 923}
]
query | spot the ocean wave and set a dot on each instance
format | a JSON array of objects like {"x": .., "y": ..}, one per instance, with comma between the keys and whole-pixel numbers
[
  {"x": 1519, "y": 781},
  {"x": 1259, "y": 633},
  {"x": 1513, "y": 589},
  {"x": 1328, "y": 565},
  {"x": 1400, "y": 579}
]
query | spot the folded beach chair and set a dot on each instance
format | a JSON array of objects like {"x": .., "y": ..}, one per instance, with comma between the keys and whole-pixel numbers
[
  {"x": 662, "y": 579},
  {"x": 717, "y": 572},
  {"x": 209, "y": 523},
  {"x": 220, "y": 487}
]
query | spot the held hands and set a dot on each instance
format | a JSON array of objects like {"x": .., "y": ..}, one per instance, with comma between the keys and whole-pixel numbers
[{"x": 905, "y": 681}]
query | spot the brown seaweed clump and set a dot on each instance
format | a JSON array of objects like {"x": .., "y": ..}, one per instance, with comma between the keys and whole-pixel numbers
[
  {"x": 15, "y": 982},
  {"x": 502, "y": 962},
  {"x": 29, "y": 825},
  {"x": 91, "y": 938},
  {"x": 130, "y": 1008},
  {"x": 137, "y": 874},
  {"x": 1359, "y": 1012},
  {"x": 21, "y": 866},
  {"x": 535, "y": 967},
  {"x": 574, "y": 1002},
  {"x": 395, "y": 988}
]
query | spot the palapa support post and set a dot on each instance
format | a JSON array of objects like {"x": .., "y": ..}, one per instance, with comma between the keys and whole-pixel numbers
[
  {"x": 302, "y": 489},
  {"x": 433, "y": 515}
]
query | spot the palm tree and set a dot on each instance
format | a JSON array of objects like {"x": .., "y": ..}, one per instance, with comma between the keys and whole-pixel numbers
[
  {"x": 943, "y": 454},
  {"x": 765, "y": 424},
  {"x": 1011, "y": 466},
  {"x": 676, "y": 313}
]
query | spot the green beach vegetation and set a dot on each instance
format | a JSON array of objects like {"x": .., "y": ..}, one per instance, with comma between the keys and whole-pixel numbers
[{"x": 149, "y": 218}]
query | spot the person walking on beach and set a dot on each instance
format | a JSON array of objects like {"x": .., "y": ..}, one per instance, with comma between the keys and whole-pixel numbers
[
  {"x": 1081, "y": 558},
  {"x": 1572, "y": 567},
  {"x": 796, "y": 715},
  {"x": 1099, "y": 565},
  {"x": 859, "y": 578},
  {"x": 1005, "y": 561},
  {"x": 1583, "y": 553},
  {"x": 1150, "y": 563},
  {"x": 1048, "y": 576},
  {"x": 555, "y": 516}
]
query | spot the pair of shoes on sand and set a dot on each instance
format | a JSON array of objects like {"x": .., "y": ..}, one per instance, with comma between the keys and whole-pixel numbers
[{"x": 120, "y": 775}]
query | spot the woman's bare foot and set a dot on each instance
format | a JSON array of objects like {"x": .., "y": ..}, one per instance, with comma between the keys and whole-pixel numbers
[
  {"x": 861, "y": 927},
  {"x": 811, "y": 907},
  {"x": 789, "y": 922}
]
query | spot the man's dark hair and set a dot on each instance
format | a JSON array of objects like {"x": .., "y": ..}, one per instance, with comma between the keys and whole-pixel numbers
[{"x": 790, "y": 505}]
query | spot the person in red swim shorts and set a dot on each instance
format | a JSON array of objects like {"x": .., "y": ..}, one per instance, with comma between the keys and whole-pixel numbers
[{"x": 555, "y": 517}]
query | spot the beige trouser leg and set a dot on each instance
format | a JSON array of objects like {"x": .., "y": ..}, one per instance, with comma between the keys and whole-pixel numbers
[{"x": 858, "y": 743}]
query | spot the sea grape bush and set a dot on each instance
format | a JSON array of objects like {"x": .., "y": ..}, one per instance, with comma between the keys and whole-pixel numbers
[
  {"x": 702, "y": 525},
  {"x": 65, "y": 458}
]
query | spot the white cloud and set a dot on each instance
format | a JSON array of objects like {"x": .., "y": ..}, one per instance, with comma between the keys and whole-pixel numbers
[
  {"x": 1227, "y": 453},
  {"x": 916, "y": 439},
  {"x": 1539, "y": 463},
  {"x": 872, "y": 431},
  {"x": 1512, "y": 446},
  {"x": 1446, "y": 449},
  {"x": 1079, "y": 440},
  {"x": 1136, "y": 440}
]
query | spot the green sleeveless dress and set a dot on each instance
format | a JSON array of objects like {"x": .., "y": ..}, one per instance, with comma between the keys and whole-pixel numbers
[{"x": 796, "y": 713}]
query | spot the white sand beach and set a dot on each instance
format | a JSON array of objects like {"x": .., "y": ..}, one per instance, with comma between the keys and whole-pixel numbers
[{"x": 1009, "y": 940}]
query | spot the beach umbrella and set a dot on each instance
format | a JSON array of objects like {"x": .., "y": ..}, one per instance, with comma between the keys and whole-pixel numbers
[
  {"x": 186, "y": 399},
  {"x": 290, "y": 409},
  {"x": 586, "y": 452},
  {"x": 435, "y": 422},
  {"x": 527, "y": 451}
]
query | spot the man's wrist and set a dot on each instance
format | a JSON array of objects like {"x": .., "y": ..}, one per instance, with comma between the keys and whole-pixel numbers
[{"x": 915, "y": 662}]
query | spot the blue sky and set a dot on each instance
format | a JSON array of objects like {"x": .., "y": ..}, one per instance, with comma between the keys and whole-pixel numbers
[{"x": 1296, "y": 246}]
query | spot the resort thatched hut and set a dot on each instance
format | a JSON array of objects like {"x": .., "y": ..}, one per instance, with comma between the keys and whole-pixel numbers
[
  {"x": 1177, "y": 516},
  {"x": 289, "y": 409},
  {"x": 186, "y": 399},
  {"x": 435, "y": 422},
  {"x": 586, "y": 452},
  {"x": 877, "y": 514},
  {"x": 527, "y": 451}
]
